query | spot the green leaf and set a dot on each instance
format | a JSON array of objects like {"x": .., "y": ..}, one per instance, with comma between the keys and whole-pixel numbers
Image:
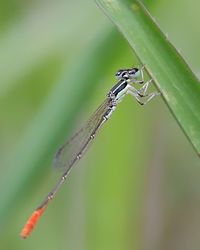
[{"x": 173, "y": 77}]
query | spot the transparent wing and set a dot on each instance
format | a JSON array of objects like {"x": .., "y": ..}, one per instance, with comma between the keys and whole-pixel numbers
[{"x": 77, "y": 144}]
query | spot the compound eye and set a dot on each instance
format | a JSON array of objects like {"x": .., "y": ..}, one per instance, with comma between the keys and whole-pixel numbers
[
  {"x": 119, "y": 73},
  {"x": 134, "y": 72}
]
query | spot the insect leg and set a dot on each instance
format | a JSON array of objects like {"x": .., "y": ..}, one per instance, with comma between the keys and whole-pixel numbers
[{"x": 139, "y": 97}]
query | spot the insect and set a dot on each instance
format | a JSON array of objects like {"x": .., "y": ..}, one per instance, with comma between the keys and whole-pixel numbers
[{"x": 73, "y": 150}]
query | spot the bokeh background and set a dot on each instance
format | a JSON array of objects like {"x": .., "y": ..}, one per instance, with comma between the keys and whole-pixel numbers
[{"x": 138, "y": 186}]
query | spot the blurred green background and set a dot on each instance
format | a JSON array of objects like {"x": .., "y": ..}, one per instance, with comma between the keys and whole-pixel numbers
[{"x": 138, "y": 186}]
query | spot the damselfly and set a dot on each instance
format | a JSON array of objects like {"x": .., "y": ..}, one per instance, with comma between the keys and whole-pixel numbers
[{"x": 72, "y": 151}]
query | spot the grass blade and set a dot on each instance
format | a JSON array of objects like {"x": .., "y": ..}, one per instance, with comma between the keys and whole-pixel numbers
[{"x": 171, "y": 74}]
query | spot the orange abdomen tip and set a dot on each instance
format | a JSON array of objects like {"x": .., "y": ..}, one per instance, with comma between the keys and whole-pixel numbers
[{"x": 31, "y": 222}]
